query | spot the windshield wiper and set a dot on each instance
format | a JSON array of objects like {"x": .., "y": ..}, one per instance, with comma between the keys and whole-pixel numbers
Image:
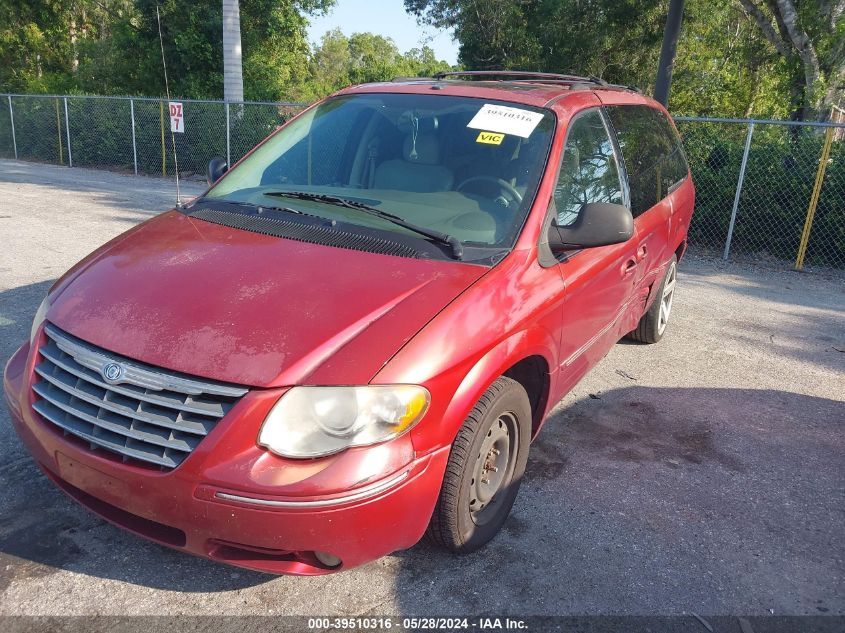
[{"x": 451, "y": 241}]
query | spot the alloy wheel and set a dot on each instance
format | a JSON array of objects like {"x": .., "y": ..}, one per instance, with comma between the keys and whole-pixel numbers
[{"x": 666, "y": 299}]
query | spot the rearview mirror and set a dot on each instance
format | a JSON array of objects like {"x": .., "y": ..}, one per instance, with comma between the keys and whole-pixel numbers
[
  {"x": 597, "y": 224},
  {"x": 216, "y": 168}
]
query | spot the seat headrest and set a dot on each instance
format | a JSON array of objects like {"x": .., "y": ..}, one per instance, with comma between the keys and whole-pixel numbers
[{"x": 425, "y": 151}]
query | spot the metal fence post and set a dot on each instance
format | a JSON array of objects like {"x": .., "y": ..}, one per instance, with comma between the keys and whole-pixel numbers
[
  {"x": 163, "y": 146},
  {"x": 228, "y": 138},
  {"x": 59, "y": 134},
  {"x": 814, "y": 200},
  {"x": 67, "y": 131},
  {"x": 738, "y": 190},
  {"x": 134, "y": 150},
  {"x": 12, "y": 118}
]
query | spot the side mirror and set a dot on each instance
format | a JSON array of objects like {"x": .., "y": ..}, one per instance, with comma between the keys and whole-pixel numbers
[
  {"x": 216, "y": 168},
  {"x": 598, "y": 224}
]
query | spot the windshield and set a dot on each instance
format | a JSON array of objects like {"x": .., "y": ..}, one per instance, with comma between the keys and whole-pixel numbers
[{"x": 466, "y": 168}]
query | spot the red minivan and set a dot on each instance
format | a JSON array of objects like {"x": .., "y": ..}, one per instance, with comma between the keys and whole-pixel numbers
[{"x": 351, "y": 339}]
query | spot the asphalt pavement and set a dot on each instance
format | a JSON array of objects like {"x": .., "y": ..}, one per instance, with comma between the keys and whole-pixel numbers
[{"x": 703, "y": 474}]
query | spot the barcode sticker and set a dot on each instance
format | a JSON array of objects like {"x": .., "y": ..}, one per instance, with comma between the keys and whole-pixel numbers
[{"x": 497, "y": 118}]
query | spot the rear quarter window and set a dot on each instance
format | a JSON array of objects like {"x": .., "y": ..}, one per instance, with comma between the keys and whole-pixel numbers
[{"x": 652, "y": 152}]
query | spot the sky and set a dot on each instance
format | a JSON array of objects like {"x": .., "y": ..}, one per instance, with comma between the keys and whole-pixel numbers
[{"x": 387, "y": 18}]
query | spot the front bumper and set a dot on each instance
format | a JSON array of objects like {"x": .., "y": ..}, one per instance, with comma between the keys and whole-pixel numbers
[{"x": 234, "y": 502}]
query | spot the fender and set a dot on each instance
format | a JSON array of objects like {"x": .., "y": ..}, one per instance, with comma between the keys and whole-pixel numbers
[
  {"x": 471, "y": 380},
  {"x": 496, "y": 324},
  {"x": 495, "y": 363}
]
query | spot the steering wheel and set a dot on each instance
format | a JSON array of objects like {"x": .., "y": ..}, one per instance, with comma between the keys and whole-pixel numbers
[{"x": 503, "y": 185}]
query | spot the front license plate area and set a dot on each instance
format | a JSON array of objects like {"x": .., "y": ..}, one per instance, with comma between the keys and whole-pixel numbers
[{"x": 92, "y": 481}]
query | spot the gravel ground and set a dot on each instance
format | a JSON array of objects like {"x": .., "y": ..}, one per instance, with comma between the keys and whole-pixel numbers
[{"x": 704, "y": 474}]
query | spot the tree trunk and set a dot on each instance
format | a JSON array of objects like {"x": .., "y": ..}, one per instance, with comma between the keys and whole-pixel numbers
[
  {"x": 787, "y": 16},
  {"x": 74, "y": 62},
  {"x": 233, "y": 76},
  {"x": 793, "y": 43},
  {"x": 835, "y": 94},
  {"x": 797, "y": 92}
]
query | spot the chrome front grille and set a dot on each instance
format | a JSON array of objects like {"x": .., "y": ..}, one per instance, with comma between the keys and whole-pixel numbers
[{"x": 146, "y": 413}]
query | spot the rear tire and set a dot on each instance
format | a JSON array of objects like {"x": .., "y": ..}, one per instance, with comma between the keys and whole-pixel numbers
[
  {"x": 485, "y": 469},
  {"x": 653, "y": 323}
]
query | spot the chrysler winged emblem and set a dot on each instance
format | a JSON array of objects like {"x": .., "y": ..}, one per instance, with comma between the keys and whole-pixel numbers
[{"x": 112, "y": 372}]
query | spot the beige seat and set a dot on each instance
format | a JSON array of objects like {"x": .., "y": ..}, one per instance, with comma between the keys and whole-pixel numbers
[{"x": 418, "y": 170}]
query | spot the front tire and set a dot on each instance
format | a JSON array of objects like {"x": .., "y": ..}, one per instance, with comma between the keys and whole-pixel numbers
[
  {"x": 485, "y": 469},
  {"x": 653, "y": 323}
]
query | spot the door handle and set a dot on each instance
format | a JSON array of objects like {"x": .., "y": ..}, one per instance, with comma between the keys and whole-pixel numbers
[
  {"x": 641, "y": 252},
  {"x": 629, "y": 267}
]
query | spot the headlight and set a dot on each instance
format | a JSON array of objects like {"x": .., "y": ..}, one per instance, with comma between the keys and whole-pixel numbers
[
  {"x": 316, "y": 421},
  {"x": 40, "y": 315}
]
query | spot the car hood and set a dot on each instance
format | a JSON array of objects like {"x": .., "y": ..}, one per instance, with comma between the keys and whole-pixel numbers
[{"x": 241, "y": 307}]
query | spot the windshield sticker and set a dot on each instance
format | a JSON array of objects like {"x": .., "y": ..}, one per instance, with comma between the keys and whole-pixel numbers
[
  {"x": 491, "y": 138},
  {"x": 506, "y": 120}
]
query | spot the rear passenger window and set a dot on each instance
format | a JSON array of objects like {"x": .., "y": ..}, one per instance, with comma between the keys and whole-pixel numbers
[
  {"x": 651, "y": 150},
  {"x": 588, "y": 172}
]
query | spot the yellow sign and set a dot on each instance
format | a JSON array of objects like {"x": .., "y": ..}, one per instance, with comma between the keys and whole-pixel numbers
[{"x": 491, "y": 138}]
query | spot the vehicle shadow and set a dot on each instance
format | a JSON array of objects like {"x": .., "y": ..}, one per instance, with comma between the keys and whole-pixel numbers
[
  {"x": 709, "y": 500},
  {"x": 715, "y": 501},
  {"x": 42, "y": 531},
  {"x": 17, "y": 307}
]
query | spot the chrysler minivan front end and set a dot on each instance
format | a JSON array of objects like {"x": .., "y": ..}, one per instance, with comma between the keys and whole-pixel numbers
[{"x": 206, "y": 380}]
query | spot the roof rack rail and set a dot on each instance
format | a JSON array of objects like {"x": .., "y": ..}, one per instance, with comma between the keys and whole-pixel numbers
[
  {"x": 523, "y": 74},
  {"x": 527, "y": 75}
]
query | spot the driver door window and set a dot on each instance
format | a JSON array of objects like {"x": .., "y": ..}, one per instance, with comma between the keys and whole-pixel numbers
[{"x": 589, "y": 171}]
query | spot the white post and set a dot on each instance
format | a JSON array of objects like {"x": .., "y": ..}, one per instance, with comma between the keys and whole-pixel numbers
[
  {"x": 228, "y": 138},
  {"x": 12, "y": 117},
  {"x": 67, "y": 131},
  {"x": 738, "y": 190},
  {"x": 134, "y": 150}
]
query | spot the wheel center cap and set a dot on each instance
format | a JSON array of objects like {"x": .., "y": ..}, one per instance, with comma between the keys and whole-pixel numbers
[{"x": 491, "y": 468}]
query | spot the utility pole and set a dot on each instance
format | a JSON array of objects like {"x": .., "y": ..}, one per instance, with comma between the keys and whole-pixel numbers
[
  {"x": 233, "y": 74},
  {"x": 667, "y": 51}
]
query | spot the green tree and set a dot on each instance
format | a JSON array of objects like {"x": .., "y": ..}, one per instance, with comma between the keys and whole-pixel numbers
[
  {"x": 41, "y": 41},
  {"x": 618, "y": 40},
  {"x": 735, "y": 57},
  {"x": 112, "y": 46},
  {"x": 329, "y": 65},
  {"x": 724, "y": 67},
  {"x": 339, "y": 61},
  {"x": 810, "y": 37}
]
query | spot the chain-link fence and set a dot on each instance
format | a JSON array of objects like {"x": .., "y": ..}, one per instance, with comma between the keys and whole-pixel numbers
[
  {"x": 771, "y": 189},
  {"x": 132, "y": 134},
  {"x": 765, "y": 189}
]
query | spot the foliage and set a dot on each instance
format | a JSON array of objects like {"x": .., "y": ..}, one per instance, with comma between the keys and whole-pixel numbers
[
  {"x": 112, "y": 47},
  {"x": 726, "y": 64},
  {"x": 810, "y": 38},
  {"x": 101, "y": 132},
  {"x": 339, "y": 61},
  {"x": 723, "y": 68},
  {"x": 779, "y": 179},
  {"x": 764, "y": 58}
]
